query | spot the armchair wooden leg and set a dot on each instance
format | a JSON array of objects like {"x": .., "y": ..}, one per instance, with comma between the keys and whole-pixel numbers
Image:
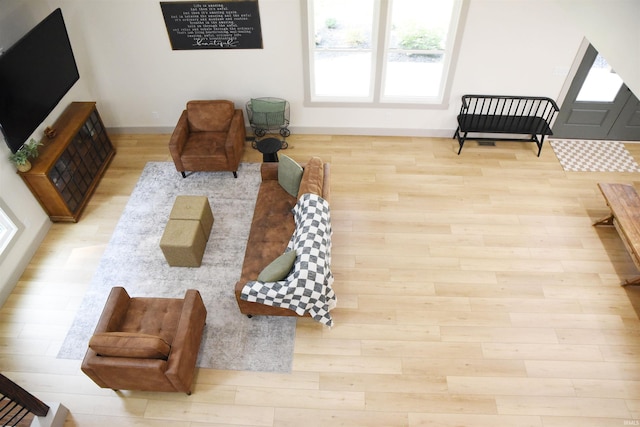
[
  {"x": 184, "y": 175},
  {"x": 235, "y": 174}
]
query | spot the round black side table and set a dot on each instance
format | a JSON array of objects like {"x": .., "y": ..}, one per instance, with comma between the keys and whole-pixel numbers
[{"x": 269, "y": 148}]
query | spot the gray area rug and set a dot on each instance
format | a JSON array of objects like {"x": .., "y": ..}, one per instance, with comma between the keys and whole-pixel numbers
[{"x": 133, "y": 259}]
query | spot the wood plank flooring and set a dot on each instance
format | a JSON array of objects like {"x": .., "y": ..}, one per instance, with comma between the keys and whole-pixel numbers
[{"x": 472, "y": 291}]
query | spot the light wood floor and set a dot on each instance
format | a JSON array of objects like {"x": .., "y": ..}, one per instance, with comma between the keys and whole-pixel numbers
[{"x": 472, "y": 291}]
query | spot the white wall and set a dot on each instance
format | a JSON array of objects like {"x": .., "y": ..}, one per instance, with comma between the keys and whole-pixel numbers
[
  {"x": 135, "y": 72},
  {"x": 16, "y": 18},
  {"x": 508, "y": 46},
  {"x": 612, "y": 28}
]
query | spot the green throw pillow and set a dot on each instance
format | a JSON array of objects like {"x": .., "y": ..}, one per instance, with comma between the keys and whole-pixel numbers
[
  {"x": 267, "y": 112},
  {"x": 289, "y": 175},
  {"x": 279, "y": 268}
]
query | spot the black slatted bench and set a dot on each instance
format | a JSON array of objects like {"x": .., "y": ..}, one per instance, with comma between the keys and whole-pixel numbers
[{"x": 500, "y": 114}]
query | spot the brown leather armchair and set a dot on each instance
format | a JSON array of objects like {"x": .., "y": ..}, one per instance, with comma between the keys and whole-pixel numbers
[
  {"x": 147, "y": 344},
  {"x": 209, "y": 136}
]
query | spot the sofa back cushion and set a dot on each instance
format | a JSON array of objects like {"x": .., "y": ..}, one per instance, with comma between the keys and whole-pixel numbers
[
  {"x": 312, "y": 177},
  {"x": 209, "y": 116},
  {"x": 129, "y": 344}
]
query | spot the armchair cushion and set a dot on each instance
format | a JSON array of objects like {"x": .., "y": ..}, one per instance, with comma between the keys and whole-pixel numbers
[
  {"x": 209, "y": 116},
  {"x": 129, "y": 344},
  {"x": 152, "y": 316}
]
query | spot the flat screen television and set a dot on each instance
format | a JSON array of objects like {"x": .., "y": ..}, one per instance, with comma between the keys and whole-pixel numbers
[{"x": 35, "y": 73}]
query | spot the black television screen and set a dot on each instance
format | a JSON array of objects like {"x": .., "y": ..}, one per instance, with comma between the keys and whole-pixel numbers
[{"x": 35, "y": 73}]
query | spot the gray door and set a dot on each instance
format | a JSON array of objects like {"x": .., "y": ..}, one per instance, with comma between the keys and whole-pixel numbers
[
  {"x": 627, "y": 127},
  {"x": 598, "y": 104}
]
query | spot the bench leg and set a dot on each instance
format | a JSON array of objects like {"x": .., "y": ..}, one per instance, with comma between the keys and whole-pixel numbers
[
  {"x": 539, "y": 143},
  {"x": 460, "y": 139},
  {"x": 607, "y": 220},
  {"x": 461, "y": 142},
  {"x": 631, "y": 282}
]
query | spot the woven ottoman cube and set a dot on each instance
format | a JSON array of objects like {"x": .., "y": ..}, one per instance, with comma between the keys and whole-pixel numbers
[
  {"x": 183, "y": 243},
  {"x": 195, "y": 208}
]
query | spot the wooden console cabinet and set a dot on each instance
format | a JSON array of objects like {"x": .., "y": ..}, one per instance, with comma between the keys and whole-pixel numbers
[{"x": 65, "y": 174}]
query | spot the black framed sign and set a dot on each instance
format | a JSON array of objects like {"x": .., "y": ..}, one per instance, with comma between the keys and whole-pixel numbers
[{"x": 231, "y": 24}]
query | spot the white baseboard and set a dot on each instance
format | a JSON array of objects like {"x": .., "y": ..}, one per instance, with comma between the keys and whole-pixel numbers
[
  {"x": 140, "y": 130},
  {"x": 434, "y": 133}
]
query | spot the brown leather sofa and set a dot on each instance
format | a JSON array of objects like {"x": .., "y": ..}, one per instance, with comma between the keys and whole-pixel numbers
[
  {"x": 209, "y": 136},
  {"x": 147, "y": 344},
  {"x": 273, "y": 224}
]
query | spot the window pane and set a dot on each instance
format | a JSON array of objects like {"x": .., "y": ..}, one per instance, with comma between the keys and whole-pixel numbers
[
  {"x": 413, "y": 77},
  {"x": 343, "y": 42},
  {"x": 602, "y": 83},
  {"x": 343, "y": 24},
  {"x": 420, "y": 24},
  {"x": 416, "y": 41},
  {"x": 344, "y": 74}
]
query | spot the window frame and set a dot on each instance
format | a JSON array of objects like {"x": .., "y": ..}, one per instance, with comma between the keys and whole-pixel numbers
[
  {"x": 382, "y": 18},
  {"x": 14, "y": 227}
]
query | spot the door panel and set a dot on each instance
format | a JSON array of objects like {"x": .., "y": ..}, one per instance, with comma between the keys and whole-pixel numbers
[
  {"x": 582, "y": 117},
  {"x": 627, "y": 127}
]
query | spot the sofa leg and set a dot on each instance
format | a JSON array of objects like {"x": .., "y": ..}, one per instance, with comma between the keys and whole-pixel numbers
[
  {"x": 184, "y": 175},
  {"x": 235, "y": 174},
  {"x": 249, "y": 316}
]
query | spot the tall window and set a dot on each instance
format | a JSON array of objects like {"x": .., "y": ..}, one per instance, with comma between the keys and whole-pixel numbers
[{"x": 380, "y": 51}]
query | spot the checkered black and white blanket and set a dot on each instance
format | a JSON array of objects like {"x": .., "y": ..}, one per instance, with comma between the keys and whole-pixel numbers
[{"x": 308, "y": 286}]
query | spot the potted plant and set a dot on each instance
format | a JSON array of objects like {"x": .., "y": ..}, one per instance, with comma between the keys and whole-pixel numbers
[{"x": 21, "y": 157}]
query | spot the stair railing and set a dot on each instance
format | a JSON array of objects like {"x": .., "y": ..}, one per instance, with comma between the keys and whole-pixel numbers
[{"x": 16, "y": 403}]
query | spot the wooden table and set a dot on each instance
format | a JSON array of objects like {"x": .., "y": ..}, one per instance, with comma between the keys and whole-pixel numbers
[{"x": 624, "y": 202}]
